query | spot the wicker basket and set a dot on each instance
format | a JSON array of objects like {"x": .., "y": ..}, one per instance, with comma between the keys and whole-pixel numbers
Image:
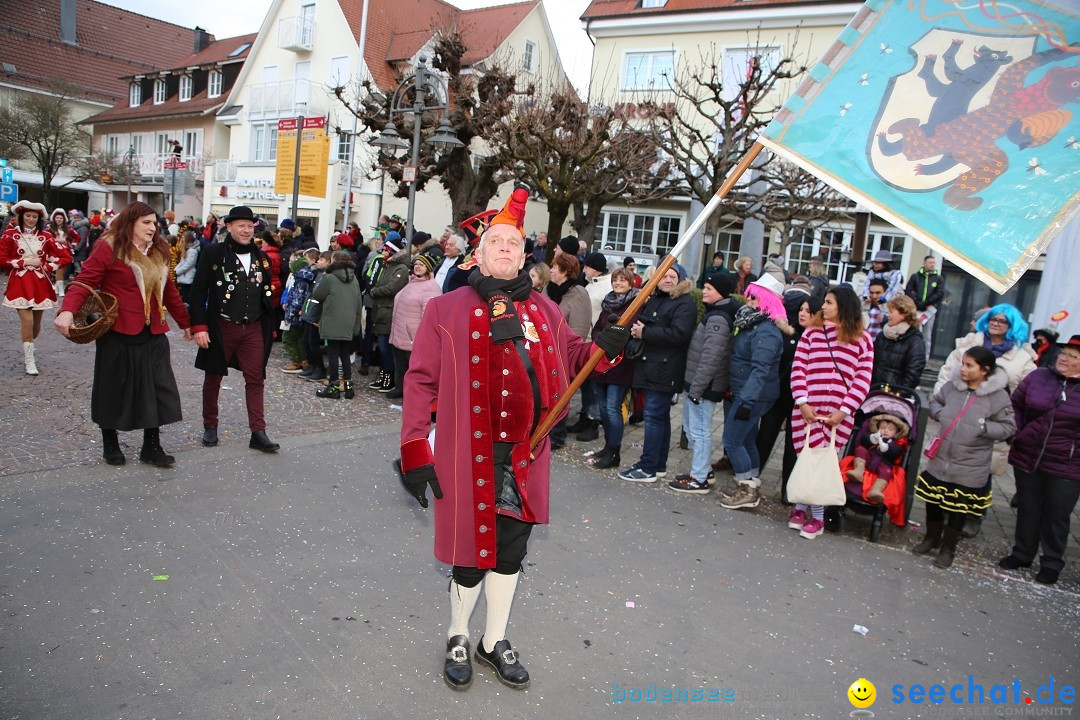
[{"x": 95, "y": 317}]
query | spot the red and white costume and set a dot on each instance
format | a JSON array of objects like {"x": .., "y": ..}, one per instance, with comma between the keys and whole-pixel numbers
[{"x": 31, "y": 288}]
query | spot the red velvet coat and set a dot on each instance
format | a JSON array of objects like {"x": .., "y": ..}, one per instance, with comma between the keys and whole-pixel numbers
[
  {"x": 102, "y": 271},
  {"x": 455, "y": 362}
]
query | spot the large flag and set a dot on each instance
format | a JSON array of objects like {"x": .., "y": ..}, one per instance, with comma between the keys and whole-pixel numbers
[{"x": 955, "y": 120}]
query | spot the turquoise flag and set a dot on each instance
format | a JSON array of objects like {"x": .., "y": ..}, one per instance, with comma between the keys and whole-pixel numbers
[{"x": 956, "y": 121}]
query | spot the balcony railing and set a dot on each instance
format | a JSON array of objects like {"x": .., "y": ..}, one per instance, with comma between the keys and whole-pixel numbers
[
  {"x": 152, "y": 165},
  {"x": 287, "y": 98},
  {"x": 296, "y": 33}
]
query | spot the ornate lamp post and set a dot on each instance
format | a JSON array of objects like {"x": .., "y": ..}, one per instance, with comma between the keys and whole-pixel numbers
[{"x": 428, "y": 94}]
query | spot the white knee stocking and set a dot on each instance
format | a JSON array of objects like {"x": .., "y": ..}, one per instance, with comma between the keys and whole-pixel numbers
[
  {"x": 462, "y": 603},
  {"x": 499, "y": 594}
]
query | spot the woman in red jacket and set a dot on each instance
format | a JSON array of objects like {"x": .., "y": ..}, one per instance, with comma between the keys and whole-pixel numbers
[
  {"x": 29, "y": 251},
  {"x": 134, "y": 387}
]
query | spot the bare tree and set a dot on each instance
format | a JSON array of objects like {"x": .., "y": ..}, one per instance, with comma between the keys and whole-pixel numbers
[
  {"x": 579, "y": 157},
  {"x": 477, "y": 101},
  {"x": 716, "y": 113},
  {"x": 41, "y": 126}
]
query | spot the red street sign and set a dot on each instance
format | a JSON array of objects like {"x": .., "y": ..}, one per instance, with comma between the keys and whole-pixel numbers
[
  {"x": 408, "y": 173},
  {"x": 286, "y": 124},
  {"x": 313, "y": 122}
]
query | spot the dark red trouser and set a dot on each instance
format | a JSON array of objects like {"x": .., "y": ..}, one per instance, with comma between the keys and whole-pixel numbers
[{"x": 246, "y": 342}]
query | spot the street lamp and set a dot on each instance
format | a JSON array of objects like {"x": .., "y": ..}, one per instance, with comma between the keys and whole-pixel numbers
[
  {"x": 428, "y": 95},
  {"x": 129, "y": 162},
  {"x": 845, "y": 257}
]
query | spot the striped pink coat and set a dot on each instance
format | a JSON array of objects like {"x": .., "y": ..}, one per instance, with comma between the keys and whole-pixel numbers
[{"x": 827, "y": 385}]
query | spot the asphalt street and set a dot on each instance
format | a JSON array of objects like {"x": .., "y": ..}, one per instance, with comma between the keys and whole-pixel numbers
[{"x": 302, "y": 585}]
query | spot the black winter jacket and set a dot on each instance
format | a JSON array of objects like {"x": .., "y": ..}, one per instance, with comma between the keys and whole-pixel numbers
[
  {"x": 669, "y": 324},
  {"x": 926, "y": 290},
  {"x": 710, "y": 352},
  {"x": 900, "y": 361}
]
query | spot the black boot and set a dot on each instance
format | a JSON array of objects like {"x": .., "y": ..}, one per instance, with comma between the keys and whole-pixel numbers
[
  {"x": 948, "y": 548},
  {"x": 349, "y": 392},
  {"x": 259, "y": 441},
  {"x": 110, "y": 448},
  {"x": 457, "y": 669},
  {"x": 504, "y": 662},
  {"x": 609, "y": 459},
  {"x": 931, "y": 540},
  {"x": 378, "y": 381},
  {"x": 364, "y": 369},
  {"x": 152, "y": 451},
  {"x": 592, "y": 432},
  {"x": 387, "y": 384},
  {"x": 580, "y": 425},
  {"x": 209, "y": 436},
  {"x": 330, "y": 391}
]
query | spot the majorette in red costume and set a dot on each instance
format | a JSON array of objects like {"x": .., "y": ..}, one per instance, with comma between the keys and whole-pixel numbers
[
  {"x": 30, "y": 288},
  {"x": 496, "y": 355}
]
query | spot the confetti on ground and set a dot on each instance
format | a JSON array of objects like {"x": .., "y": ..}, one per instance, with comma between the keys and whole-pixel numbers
[
  {"x": 629, "y": 603},
  {"x": 161, "y": 577},
  {"x": 861, "y": 630}
]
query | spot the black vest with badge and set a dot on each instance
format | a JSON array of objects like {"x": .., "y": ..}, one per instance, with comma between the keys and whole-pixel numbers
[{"x": 243, "y": 297}]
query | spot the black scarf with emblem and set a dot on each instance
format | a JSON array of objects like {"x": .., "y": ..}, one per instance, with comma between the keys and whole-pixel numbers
[{"x": 500, "y": 296}]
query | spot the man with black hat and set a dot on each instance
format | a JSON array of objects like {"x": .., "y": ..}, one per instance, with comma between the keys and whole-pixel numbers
[
  {"x": 232, "y": 318},
  {"x": 497, "y": 354}
]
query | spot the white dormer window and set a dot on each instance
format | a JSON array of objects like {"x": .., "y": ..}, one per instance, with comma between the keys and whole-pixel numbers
[
  {"x": 159, "y": 92},
  {"x": 213, "y": 84},
  {"x": 653, "y": 3},
  {"x": 528, "y": 59},
  {"x": 134, "y": 94},
  {"x": 185, "y": 88}
]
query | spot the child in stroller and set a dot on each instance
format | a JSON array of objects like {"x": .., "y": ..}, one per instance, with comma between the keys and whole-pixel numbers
[{"x": 880, "y": 445}]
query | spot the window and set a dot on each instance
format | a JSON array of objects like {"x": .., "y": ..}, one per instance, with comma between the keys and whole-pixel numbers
[
  {"x": 112, "y": 145},
  {"x": 727, "y": 242},
  {"x": 307, "y": 25},
  {"x": 528, "y": 60},
  {"x": 826, "y": 244},
  {"x": 134, "y": 94},
  {"x": 213, "y": 84},
  {"x": 240, "y": 50},
  {"x": 344, "y": 143},
  {"x": 160, "y": 92},
  {"x": 653, "y": 3},
  {"x": 193, "y": 143},
  {"x": 738, "y": 63},
  {"x": 339, "y": 72},
  {"x": 137, "y": 144},
  {"x": 258, "y": 139},
  {"x": 881, "y": 241},
  {"x": 271, "y": 154},
  {"x": 648, "y": 70},
  {"x": 638, "y": 233},
  {"x": 185, "y": 88}
]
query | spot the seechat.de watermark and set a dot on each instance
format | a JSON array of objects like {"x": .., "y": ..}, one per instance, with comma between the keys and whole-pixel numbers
[{"x": 652, "y": 693}]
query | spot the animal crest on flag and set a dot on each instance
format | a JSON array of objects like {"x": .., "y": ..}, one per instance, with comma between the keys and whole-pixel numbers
[{"x": 955, "y": 122}]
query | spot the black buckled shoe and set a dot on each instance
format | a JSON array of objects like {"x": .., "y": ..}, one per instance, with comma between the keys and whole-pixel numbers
[
  {"x": 259, "y": 441},
  {"x": 457, "y": 670},
  {"x": 209, "y": 436},
  {"x": 504, "y": 662}
]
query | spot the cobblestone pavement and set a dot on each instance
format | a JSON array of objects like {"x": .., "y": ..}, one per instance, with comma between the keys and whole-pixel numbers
[{"x": 46, "y": 424}]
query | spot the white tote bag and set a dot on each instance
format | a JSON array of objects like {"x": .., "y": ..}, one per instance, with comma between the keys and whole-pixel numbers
[{"x": 816, "y": 480}]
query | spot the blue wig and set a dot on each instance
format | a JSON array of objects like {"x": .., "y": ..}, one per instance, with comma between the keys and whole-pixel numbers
[{"x": 1018, "y": 327}]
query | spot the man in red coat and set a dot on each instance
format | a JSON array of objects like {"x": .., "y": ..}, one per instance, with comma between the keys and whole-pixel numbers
[{"x": 496, "y": 355}]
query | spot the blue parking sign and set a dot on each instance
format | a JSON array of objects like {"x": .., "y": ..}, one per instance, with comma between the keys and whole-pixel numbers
[
  {"x": 9, "y": 192},
  {"x": 7, "y": 175}
]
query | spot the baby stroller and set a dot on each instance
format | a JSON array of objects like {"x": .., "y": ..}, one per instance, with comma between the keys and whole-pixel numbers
[{"x": 881, "y": 400}]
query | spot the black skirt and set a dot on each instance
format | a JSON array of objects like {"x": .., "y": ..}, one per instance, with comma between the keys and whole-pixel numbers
[{"x": 134, "y": 385}]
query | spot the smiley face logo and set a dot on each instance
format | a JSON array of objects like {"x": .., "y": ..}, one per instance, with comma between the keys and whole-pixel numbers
[
  {"x": 498, "y": 308},
  {"x": 862, "y": 693}
]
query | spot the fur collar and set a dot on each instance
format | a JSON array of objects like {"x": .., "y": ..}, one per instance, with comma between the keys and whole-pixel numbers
[
  {"x": 998, "y": 381},
  {"x": 151, "y": 274}
]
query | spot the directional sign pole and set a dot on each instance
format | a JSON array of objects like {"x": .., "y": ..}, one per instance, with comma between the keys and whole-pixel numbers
[{"x": 296, "y": 166}]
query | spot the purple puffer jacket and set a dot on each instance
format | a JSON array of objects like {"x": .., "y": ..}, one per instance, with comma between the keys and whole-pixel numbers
[{"x": 1047, "y": 406}]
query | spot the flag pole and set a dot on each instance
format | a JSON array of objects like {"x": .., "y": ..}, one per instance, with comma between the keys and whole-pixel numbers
[{"x": 669, "y": 260}]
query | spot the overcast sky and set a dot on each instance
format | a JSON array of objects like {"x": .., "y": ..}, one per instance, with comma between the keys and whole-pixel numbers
[{"x": 226, "y": 18}]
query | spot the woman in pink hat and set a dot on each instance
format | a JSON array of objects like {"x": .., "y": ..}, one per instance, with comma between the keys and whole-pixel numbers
[{"x": 32, "y": 255}]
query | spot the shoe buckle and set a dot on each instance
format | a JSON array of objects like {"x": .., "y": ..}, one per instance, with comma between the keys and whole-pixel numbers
[
  {"x": 510, "y": 657},
  {"x": 458, "y": 654}
]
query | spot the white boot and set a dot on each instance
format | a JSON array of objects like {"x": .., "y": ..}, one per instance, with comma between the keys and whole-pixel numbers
[
  {"x": 499, "y": 593},
  {"x": 59, "y": 288},
  {"x": 28, "y": 357}
]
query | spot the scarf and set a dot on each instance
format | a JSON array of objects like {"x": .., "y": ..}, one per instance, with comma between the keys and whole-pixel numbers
[
  {"x": 894, "y": 332},
  {"x": 999, "y": 349},
  {"x": 613, "y": 302},
  {"x": 500, "y": 296},
  {"x": 236, "y": 247},
  {"x": 556, "y": 292},
  {"x": 747, "y": 317}
]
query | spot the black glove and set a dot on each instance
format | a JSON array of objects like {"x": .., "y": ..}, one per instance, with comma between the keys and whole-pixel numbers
[
  {"x": 696, "y": 401},
  {"x": 743, "y": 412},
  {"x": 613, "y": 338},
  {"x": 416, "y": 482}
]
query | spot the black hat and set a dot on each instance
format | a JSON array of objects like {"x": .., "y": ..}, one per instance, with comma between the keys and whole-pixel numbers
[
  {"x": 240, "y": 212},
  {"x": 1074, "y": 342},
  {"x": 569, "y": 245},
  {"x": 723, "y": 282},
  {"x": 420, "y": 237},
  {"x": 627, "y": 260},
  {"x": 597, "y": 262},
  {"x": 1050, "y": 335}
]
